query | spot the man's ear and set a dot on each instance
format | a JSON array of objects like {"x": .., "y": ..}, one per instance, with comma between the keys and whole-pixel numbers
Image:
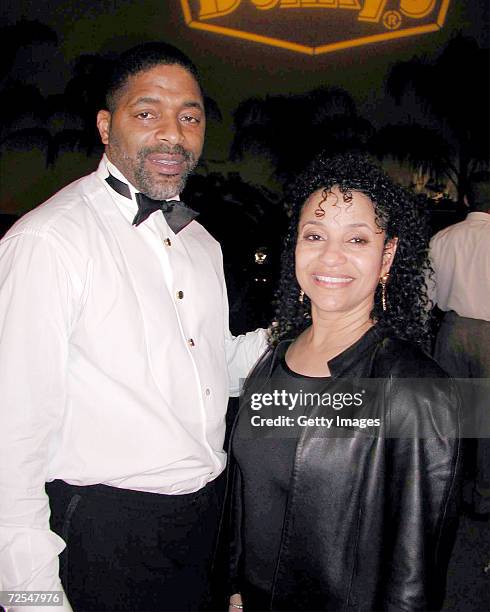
[
  {"x": 389, "y": 255},
  {"x": 103, "y": 125}
]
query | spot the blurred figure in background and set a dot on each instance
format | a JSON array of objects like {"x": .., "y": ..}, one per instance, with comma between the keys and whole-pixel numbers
[{"x": 460, "y": 256}]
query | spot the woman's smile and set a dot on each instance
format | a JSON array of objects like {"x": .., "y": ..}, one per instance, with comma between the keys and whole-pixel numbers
[{"x": 340, "y": 252}]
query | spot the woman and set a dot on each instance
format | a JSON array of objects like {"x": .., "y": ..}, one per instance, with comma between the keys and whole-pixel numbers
[{"x": 355, "y": 512}]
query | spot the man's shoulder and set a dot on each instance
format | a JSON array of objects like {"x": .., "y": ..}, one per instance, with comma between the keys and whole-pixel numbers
[
  {"x": 450, "y": 232},
  {"x": 60, "y": 212},
  {"x": 458, "y": 241},
  {"x": 474, "y": 222}
]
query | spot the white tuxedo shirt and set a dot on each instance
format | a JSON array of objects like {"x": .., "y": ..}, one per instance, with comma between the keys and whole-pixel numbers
[{"x": 116, "y": 362}]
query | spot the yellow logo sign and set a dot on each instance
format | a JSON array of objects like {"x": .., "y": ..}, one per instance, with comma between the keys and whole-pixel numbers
[{"x": 316, "y": 26}]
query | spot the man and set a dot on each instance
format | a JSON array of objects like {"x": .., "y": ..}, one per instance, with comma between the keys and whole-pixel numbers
[
  {"x": 460, "y": 257},
  {"x": 116, "y": 363}
]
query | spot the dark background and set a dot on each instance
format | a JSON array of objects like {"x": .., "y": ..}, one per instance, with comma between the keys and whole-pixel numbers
[
  {"x": 232, "y": 71},
  {"x": 49, "y": 95},
  {"x": 270, "y": 110}
]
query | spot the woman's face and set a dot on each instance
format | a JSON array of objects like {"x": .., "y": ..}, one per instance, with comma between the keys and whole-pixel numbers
[{"x": 341, "y": 252}]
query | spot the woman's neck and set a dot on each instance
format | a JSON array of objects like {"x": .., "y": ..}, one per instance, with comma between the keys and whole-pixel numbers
[
  {"x": 329, "y": 335},
  {"x": 333, "y": 334}
]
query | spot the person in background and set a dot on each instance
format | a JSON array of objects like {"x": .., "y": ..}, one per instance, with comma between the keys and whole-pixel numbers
[
  {"x": 116, "y": 363},
  {"x": 350, "y": 506},
  {"x": 460, "y": 257}
]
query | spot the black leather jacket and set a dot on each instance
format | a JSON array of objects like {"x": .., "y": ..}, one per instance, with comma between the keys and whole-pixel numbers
[{"x": 371, "y": 517}]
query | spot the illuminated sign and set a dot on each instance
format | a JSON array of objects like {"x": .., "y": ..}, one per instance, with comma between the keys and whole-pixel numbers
[{"x": 316, "y": 26}]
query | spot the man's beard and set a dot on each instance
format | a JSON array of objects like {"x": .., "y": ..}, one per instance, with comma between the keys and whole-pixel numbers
[
  {"x": 165, "y": 186},
  {"x": 161, "y": 187}
]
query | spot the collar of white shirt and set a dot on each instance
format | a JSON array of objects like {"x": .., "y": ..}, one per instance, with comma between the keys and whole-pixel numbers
[
  {"x": 107, "y": 168},
  {"x": 477, "y": 214}
]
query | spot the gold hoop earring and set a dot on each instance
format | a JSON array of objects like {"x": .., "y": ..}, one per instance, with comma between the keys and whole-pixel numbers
[
  {"x": 383, "y": 281},
  {"x": 301, "y": 297}
]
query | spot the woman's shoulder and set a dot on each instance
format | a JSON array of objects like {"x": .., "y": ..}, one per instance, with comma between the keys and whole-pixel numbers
[
  {"x": 422, "y": 399},
  {"x": 401, "y": 358}
]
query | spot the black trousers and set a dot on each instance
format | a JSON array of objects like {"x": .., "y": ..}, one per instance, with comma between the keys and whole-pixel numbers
[{"x": 136, "y": 551}]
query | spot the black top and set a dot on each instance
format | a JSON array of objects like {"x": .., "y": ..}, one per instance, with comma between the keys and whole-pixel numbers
[{"x": 265, "y": 456}]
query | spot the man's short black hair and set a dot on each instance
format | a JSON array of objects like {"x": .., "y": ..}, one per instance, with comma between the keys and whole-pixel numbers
[
  {"x": 479, "y": 191},
  {"x": 139, "y": 59}
]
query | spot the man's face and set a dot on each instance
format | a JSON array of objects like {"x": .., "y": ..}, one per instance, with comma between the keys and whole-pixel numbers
[{"x": 155, "y": 135}]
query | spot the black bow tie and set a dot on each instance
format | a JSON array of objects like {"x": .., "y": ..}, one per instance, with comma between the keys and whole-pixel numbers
[{"x": 176, "y": 213}]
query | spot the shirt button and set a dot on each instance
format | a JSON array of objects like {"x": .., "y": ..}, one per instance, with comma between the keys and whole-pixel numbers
[
  {"x": 180, "y": 295},
  {"x": 167, "y": 242},
  {"x": 208, "y": 391},
  {"x": 191, "y": 342}
]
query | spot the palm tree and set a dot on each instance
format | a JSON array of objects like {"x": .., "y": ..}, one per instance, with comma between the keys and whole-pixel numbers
[
  {"x": 73, "y": 113},
  {"x": 21, "y": 34},
  {"x": 23, "y": 123},
  {"x": 290, "y": 130},
  {"x": 62, "y": 122},
  {"x": 451, "y": 139}
]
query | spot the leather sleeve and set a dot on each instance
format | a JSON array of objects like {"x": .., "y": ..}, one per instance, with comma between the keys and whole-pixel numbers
[{"x": 423, "y": 474}]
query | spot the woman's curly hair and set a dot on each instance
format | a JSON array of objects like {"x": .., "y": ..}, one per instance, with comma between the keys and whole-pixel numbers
[{"x": 398, "y": 213}]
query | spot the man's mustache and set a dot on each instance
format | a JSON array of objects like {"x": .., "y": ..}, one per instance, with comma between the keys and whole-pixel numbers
[{"x": 166, "y": 150}]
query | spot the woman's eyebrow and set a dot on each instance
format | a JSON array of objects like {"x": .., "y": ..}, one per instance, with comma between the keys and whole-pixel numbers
[
  {"x": 360, "y": 224},
  {"x": 347, "y": 225}
]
